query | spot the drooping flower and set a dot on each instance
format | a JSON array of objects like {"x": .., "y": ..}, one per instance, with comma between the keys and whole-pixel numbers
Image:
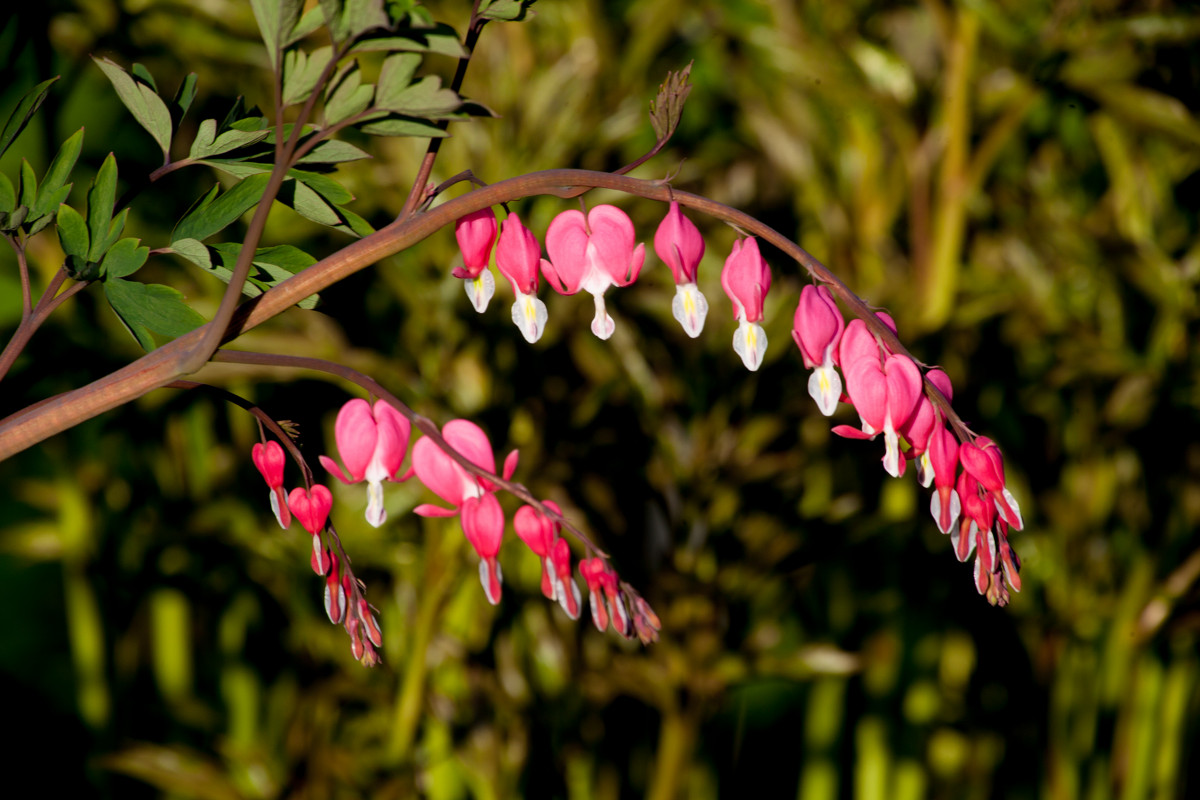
[
  {"x": 476, "y": 232},
  {"x": 942, "y": 452},
  {"x": 372, "y": 443},
  {"x": 604, "y": 586},
  {"x": 921, "y": 424},
  {"x": 480, "y": 514},
  {"x": 311, "y": 508},
  {"x": 565, "y": 589},
  {"x": 983, "y": 460},
  {"x": 817, "y": 330},
  {"x": 681, "y": 247},
  {"x": 269, "y": 460},
  {"x": 593, "y": 253},
  {"x": 335, "y": 592},
  {"x": 539, "y": 532},
  {"x": 885, "y": 396},
  {"x": 518, "y": 258},
  {"x": 746, "y": 278}
]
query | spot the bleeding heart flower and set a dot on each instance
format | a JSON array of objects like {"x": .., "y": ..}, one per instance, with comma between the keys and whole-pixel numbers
[
  {"x": 817, "y": 330},
  {"x": 311, "y": 508},
  {"x": 518, "y": 258},
  {"x": 885, "y": 396},
  {"x": 539, "y": 532},
  {"x": 372, "y": 443},
  {"x": 746, "y": 279},
  {"x": 269, "y": 460},
  {"x": 681, "y": 247},
  {"x": 593, "y": 253},
  {"x": 475, "y": 234}
]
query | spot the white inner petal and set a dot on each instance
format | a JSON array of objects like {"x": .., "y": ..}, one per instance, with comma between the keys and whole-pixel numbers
[
  {"x": 690, "y": 308},
  {"x": 480, "y": 290},
  {"x": 750, "y": 342}
]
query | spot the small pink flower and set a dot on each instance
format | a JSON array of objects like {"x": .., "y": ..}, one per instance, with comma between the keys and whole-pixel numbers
[
  {"x": 269, "y": 460},
  {"x": 475, "y": 233},
  {"x": 921, "y": 424},
  {"x": 372, "y": 443},
  {"x": 817, "y": 330},
  {"x": 593, "y": 253},
  {"x": 604, "y": 585},
  {"x": 335, "y": 592},
  {"x": 311, "y": 508},
  {"x": 983, "y": 460},
  {"x": 746, "y": 278},
  {"x": 518, "y": 258},
  {"x": 566, "y": 590},
  {"x": 681, "y": 247},
  {"x": 483, "y": 525},
  {"x": 645, "y": 621},
  {"x": 539, "y": 532},
  {"x": 942, "y": 453}
]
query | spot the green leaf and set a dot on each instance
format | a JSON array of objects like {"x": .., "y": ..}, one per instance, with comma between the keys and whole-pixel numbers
[
  {"x": 26, "y": 107},
  {"x": 207, "y": 143},
  {"x": 146, "y": 308},
  {"x": 309, "y": 204},
  {"x": 184, "y": 97},
  {"x": 142, "y": 101},
  {"x": 276, "y": 18},
  {"x": 214, "y": 215},
  {"x": 404, "y": 126},
  {"x": 309, "y": 22},
  {"x": 348, "y": 98},
  {"x": 347, "y": 19},
  {"x": 324, "y": 185},
  {"x": 101, "y": 198},
  {"x": 114, "y": 231},
  {"x": 58, "y": 172},
  {"x": 72, "y": 232},
  {"x": 124, "y": 258},
  {"x": 354, "y": 224},
  {"x": 275, "y": 264},
  {"x": 425, "y": 98},
  {"x": 440, "y": 39},
  {"x": 8, "y": 195},
  {"x": 139, "y": 71},
  {"x": 301, "y": 71},
  {"x": 395, "y": 76},
  {"x": 505, "y": 10},
  {"x": 39, "y": 218},
  {"x": 334, "y": 152},
  {"x": 27, "y": 191}
]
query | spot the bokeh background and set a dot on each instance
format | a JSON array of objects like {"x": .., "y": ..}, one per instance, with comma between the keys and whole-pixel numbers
[{"x": 1016, "y": 182}]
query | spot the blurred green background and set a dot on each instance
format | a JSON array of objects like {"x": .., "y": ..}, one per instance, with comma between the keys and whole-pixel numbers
[{"x": 1016, "y": 182}]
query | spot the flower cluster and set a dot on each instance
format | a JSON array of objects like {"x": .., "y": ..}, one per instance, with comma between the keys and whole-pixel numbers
[
  {"x": 596, "y": 251},
  {"x": 457, "y": 465},
  {"x": 892, "y": 396}
]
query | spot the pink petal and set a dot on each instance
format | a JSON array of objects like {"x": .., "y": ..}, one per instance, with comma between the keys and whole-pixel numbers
[
  {"x": 904, "y": 387},
  {"x": 483, "y": 524},
  {"x": 475, "y": 234},
  {"x": 566, "y": 245},
  {"x": 817, "y": 325},
  {"x": 269, "y": 460},
  {"x": 355, "y": 432},
  {"x": 679, "y": 244},
  {"x": 518, "y": 255},
  {"x": 613, "y": 237}
]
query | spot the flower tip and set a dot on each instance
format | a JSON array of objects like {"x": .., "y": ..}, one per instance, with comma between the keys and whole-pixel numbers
[{"x": 750, "y": 342}]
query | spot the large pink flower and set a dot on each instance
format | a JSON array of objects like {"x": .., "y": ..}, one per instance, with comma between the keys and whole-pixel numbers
[
  {"x": 372, "y": 443},
  {"x": 591, "y": 254},
  {"x": 472, "y": 497}
]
